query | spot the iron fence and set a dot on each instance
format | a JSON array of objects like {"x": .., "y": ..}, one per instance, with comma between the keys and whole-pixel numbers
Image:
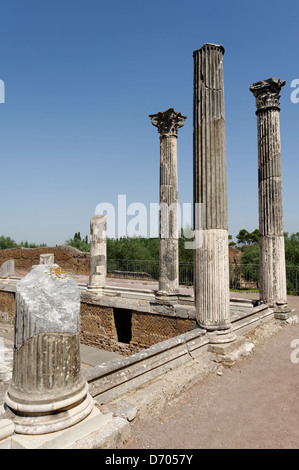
[
  {"x": 241, "y": 276},
  {"x": 292, "y": 274}
]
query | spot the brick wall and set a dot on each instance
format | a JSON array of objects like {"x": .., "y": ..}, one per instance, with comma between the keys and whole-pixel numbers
[
  {"x": 98, "y": 327},
  {"x": 150, "y": 329}
]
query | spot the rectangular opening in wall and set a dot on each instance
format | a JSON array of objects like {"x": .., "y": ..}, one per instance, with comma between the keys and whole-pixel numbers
[{"x": 123, "y": 324}]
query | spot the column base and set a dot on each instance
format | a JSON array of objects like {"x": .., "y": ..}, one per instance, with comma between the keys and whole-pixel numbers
[
  {"x": 221, "y": 336},
  {"x": 37, "y": 423},
  {"x": 282, "y": 312},
  {"x": 223, "y": 341},
  {"x": 93, "y": 432}
]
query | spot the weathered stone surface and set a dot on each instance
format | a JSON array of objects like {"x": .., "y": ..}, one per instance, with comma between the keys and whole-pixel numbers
[
  {"x": 272, "y": 252},
  {"x": 8, "y": 269},
  {"x": 168, "y": 123},
  {"x": 98, "y": 267},
  {"x": 6, "y": 429},
  {"x": 47, "y": 301},
  {"x": 211, "y": 264},
  {"x": 210, "y": 185},
  {"x": 211, "y": 289}
]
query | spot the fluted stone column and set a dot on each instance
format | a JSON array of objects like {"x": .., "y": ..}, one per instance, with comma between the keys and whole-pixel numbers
[
  {"x": 98, "y": 253},
  {"x": 47, "y": 392},
  {"x": 168, "y": 123},
  {"x": 211, "y": 263},
  {"x": 272, "y": 252}
]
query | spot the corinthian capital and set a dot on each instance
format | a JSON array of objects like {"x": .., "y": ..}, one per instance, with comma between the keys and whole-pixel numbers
[
  {"x": 266, "y": 93},
  {"x": 168, "y": 121}
]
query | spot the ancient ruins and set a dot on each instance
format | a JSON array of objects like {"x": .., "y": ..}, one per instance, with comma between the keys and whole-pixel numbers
[{"x": 50, "y": 400}]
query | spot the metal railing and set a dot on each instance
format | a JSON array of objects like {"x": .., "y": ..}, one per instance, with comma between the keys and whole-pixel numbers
[
  {"x": 241, "y": 276},
  {"x": 292, "y": 274}
]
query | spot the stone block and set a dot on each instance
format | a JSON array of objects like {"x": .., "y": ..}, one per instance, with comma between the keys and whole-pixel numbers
[
  {"x": 8, "y": 269},
  {"x": 226, "y": 348},
  {"x": 46, "y": 258}
]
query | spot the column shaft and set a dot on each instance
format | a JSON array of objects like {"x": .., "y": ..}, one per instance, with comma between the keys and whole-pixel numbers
[
  {"x": 168, "y": 248},
  {"x": 168, "y": 123},
  {"x": 211, "y": 264}
]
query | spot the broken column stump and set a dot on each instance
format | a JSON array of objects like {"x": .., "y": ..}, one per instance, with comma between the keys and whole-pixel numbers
[
  {"x": 47, "y": 392},
  {"x": 98, "y": 253}
]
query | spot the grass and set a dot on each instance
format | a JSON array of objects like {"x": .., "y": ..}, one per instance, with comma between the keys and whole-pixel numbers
[{"x": 250, "y": 291}]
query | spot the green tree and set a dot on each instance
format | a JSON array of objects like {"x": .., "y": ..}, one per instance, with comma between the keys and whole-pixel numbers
[
  {"x": 250, "y": 254},
  {"x": 76, "y": 242},
  {"x": 292, "y": 248},
  {"x": 242, "y": 237},
  {"x": 31, "y": 245},
  {"x": 7, "y": 242}
]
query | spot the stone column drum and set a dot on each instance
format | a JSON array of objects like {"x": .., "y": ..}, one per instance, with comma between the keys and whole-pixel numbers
[
  {"x": 47, "y": 392},
  {"x": 168, "y": 123},
  {"x": 272, "y": 281},
  {"x": 98, "y": 253},
  {"x": 211, "y": 263}
]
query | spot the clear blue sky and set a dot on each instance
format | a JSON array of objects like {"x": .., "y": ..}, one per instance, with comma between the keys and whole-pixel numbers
[{"x": 81, "y": 78}]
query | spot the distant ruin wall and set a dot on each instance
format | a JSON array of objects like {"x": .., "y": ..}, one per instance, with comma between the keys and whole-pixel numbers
[{"x": 67, "y": 257}]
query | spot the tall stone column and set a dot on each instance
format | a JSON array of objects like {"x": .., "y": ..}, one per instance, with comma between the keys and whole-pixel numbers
[
  {"x": 211, "y": 263},
  {"x": 272, "y": 252},
  {"x": 168, "y": 123},
  {"x": 98, "y": 253}
]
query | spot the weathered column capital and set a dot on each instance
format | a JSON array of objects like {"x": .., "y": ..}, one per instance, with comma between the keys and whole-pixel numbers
[
  {"x": 210, "y": 47},
  {"x": 168, "y": 122},
  {"x": 266, "y": 93}
]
